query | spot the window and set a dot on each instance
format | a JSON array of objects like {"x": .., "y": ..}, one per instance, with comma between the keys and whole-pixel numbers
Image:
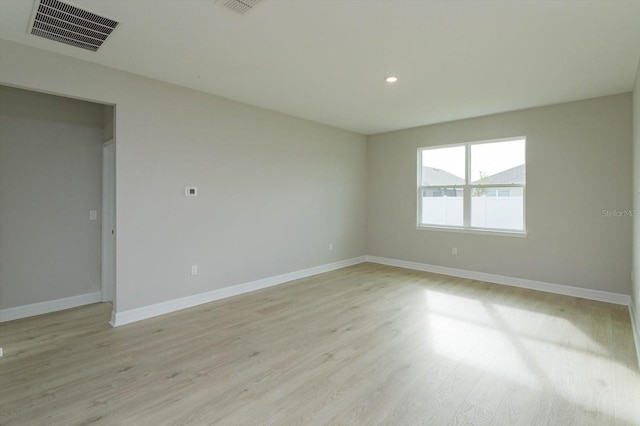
[{"x": 475, "y": 186}]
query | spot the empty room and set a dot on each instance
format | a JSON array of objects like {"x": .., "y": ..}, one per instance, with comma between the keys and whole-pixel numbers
[{"x": 319, "y": 212}]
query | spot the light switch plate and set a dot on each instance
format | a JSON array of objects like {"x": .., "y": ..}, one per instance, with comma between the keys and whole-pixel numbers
[{"x": 93, "y": 215}]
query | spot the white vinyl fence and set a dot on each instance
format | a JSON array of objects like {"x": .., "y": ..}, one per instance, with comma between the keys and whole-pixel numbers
[{"x": 486, "y": 212}]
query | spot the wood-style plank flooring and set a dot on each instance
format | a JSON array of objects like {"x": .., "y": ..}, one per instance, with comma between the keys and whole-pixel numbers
[{"x": 365, "y": 345}]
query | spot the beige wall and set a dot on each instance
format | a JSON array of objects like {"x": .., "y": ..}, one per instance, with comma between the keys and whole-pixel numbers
[
  {"x": 274, "y": 190},
  {"x": 578, "y": 164},
  {"x": 50, "y": 178}
]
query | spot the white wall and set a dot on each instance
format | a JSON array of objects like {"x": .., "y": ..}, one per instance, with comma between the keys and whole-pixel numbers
[
  {"x": 578, "y": 164},
  {"x": 50, "y": 178},
  {"x": 309, "y": 181}
]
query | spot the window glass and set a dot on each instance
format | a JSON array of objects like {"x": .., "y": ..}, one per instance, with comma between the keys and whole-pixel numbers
[
  {"x": 443, "y": 166},
  {"x": 494, "y": 196}
]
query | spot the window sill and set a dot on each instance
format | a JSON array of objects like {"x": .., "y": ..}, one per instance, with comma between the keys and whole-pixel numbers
[{"x": 493, "y": 232}]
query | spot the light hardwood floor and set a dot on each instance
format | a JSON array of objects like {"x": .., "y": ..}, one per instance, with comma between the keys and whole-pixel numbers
[{"x": 365, "y": 345}]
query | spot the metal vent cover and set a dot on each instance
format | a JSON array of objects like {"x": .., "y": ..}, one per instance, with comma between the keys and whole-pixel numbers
[
  {"x": 240, "y": 6},
  {"x": 62, "y": 22}
]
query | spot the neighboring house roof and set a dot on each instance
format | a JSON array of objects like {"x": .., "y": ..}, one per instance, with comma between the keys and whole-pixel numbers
[
  {"x": 431, "y": 176},
  {"x": 438, "y": 177},
  {"x": 512, "y": 175}
]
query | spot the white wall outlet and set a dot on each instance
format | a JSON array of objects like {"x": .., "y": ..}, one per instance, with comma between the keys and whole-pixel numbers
[
  {"x": 191, "y": 191},
  {"x": 93, "y": 215},
  {"x": 454, "y": 251},
  {"x": 330, "y": 246},
  {"x": 194, "y": 270},
  {"x": 1, "y": 354}
]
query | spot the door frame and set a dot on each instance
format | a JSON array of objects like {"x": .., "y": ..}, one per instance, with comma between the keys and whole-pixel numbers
[{"x": 108, "y": 263}]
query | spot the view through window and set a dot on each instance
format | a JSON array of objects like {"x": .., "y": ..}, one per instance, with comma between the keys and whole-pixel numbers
[{"x": 478, "y": 185}]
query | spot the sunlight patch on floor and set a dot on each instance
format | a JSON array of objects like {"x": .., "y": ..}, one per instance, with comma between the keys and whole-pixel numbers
[{"x": 492, "y": 338}]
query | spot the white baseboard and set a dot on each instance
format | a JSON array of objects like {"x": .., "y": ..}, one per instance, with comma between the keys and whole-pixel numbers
[
  {"x": 636, "y": 329},
  {"x": 25, "y": 311},
  {"x": 585, "y": 293},
  {"x": 145, "y": 312}
]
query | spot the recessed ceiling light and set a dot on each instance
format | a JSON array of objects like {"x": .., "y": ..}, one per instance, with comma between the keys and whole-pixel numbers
[{"x": 391, "y": 79}]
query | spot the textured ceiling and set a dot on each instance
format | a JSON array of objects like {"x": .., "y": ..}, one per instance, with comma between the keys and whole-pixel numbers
[{"x": 326, "y": 60}]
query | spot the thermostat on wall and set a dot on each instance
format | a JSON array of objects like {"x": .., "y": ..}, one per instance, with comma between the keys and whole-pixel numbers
[{"x": 191, "y": 191}]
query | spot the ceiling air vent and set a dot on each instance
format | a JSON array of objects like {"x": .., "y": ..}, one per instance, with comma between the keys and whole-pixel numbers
[
  {"x": 240, "y": 6},
  {"x": 68, "y": 24}
]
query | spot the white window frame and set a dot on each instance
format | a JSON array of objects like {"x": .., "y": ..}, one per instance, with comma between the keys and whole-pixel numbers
[{"x": 467, "y": 189}]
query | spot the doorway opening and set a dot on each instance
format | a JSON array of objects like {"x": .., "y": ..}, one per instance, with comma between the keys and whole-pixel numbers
[{"x": 57, "y": 186}]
